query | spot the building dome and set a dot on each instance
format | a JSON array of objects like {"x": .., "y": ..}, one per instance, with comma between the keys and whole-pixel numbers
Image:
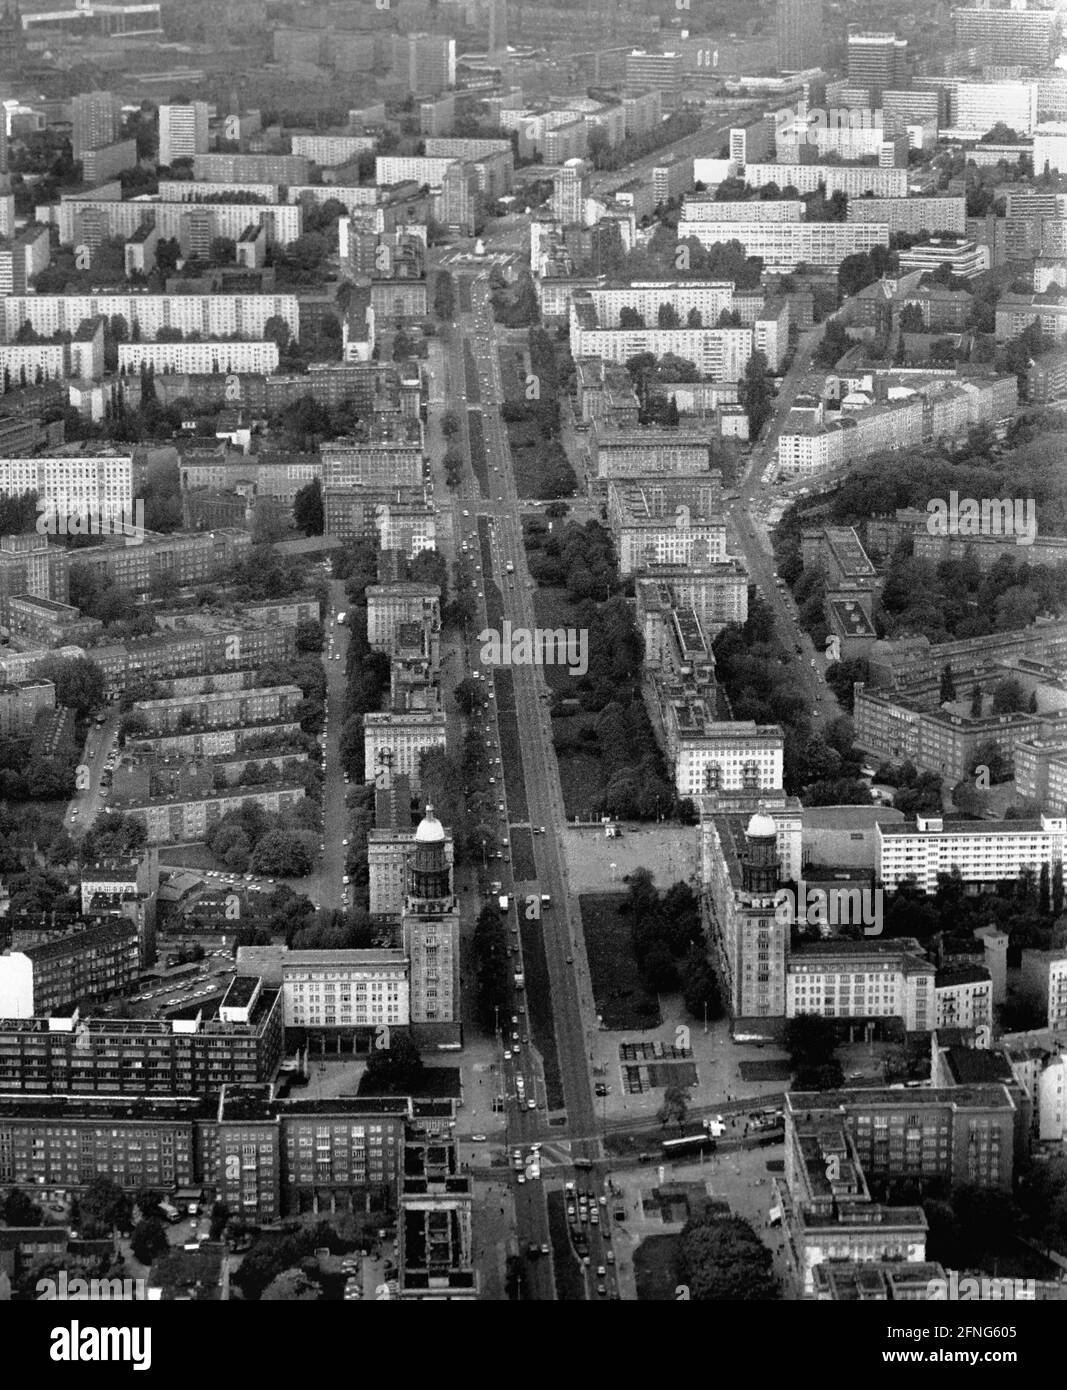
[
  {"x": 430, "y": 831},
  {"x": 761, "y": 827}
]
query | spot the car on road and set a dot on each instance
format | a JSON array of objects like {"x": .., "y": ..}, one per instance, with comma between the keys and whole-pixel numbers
[
  {"x": 602, "y": 1290},
  {"x": 570, "y": 960}
]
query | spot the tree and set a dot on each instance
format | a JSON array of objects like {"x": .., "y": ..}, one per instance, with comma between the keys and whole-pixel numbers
[
  {"x": 976, "y": 701},
  {"x": 393, "y": 1070},
  {"x": 291, "y": 1286},
  {"x": 667, "y": 316},
  {"x": 754, "y": 393},
  {"x": 833, "y": 345},
  {"x": 220, "y": 1217},
  {"x": 307, "y": 509},
  {"x": 79, "y": 682},
  {"x": 723, "y": 1259},
  {"x": 675, "y": 1107},
  {"x": 21, "y": 1210},
  {"x": 149, "y": 1240},
  {"x": 810, "y": 1040},
  {"x": 103, "y": 1208},
  {"x": 947, "y": 694}
]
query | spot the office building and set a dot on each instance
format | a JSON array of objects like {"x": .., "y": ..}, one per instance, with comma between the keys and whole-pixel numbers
[
  {"x": 877, "y": 62},
  {"x": 183, "y": 131},
  {"x": 343, "y": 996},
  {"x": 68, "y": 1054},
  {"x": 800, "y": 35}
]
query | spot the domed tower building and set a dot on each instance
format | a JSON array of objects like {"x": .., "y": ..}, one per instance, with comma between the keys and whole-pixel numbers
[
  {"x": 429, "y": 925},
  {"x": 751, "y": 937}
]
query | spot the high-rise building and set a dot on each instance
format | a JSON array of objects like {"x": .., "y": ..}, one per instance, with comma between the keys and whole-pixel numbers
[
  {"x": 182, "y": 131},
  {"x": 877, "y": 62},
  {"x": 498, "y": 25},
  {"x": 1014, "y": 35},
  {"x": 800, "y": 38},
  {"x": 97, "y": 119},
  {"x": 570, "y": 189},
  {"x": 426, "y": 63},
  {"x": 429, "y": 927}
]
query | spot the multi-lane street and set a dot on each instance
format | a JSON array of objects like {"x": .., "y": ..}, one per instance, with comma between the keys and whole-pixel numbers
[{"x": 490, "y": 526}]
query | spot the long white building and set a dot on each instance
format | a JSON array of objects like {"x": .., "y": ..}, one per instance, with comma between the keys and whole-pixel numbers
[
  {"x": 255, "y": 356},
  {"x": 83, "y": 219},
  {"x": 208, "y": 315},
  {"x": 851, "y": 179},
  {"x": 912, "y": 214},
  {"x": 984, "y": 853},
  {"x": 783, "y": 245},
  {"x": 73, "y": 483}
]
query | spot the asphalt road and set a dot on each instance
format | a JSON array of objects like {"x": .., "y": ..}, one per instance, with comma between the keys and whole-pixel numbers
[{"x": 572, "y": 1010}]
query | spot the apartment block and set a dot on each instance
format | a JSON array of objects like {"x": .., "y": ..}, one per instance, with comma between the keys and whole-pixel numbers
[
  {"x": 203, "y": 315},
  {"x": 396, "y": 741},
  {"x": 92, "y": 963},
  {"x": 984, "y": 853},
  {"x": 784, "y": 245},
  {"x": 871, "y": 979},
  {"x": 715, "y": 757},
  {"x": 227, "y": 357},
  {"x": 854, "y": 180},
  {"x": 390, "y": 606},
  {"x": 667, "y": 519},
  {"x": 174, "y": 820},
  {"x": 912, "y": 215}
]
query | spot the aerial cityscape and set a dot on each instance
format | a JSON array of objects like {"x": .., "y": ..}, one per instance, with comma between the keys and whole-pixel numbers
[{"x": 533, "y": 657}]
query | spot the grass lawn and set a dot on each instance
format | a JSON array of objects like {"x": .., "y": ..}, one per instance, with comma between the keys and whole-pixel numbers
[
  {"x": 657, "y": 1267},
  {"x": 621, "y": 998},
  {"x": 570, "y": 1287},
  {"x": 527, "y": 446}
]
